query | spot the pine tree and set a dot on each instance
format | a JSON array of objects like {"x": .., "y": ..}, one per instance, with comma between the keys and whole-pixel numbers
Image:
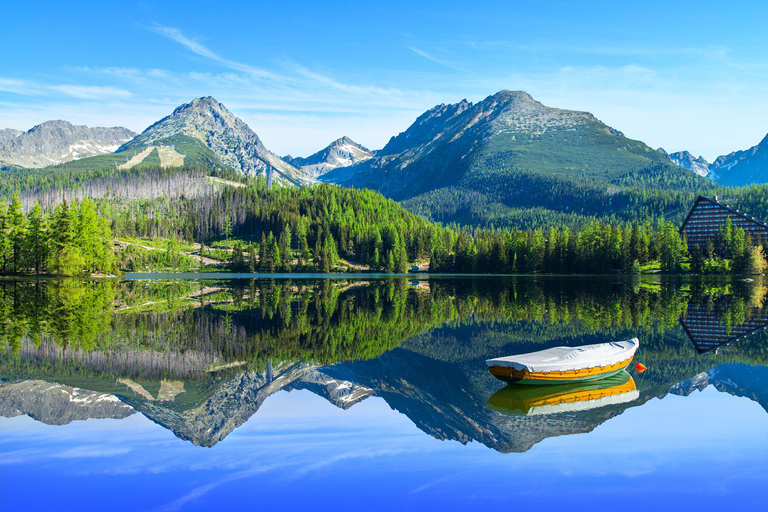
[
  {"x": 330, "y": 254},
  {"x": 263, "y": 252},
  {"x": 5, "y": 239},
  {"x": 238, "y": 262},
  {"x": 17, "y": 225},
  {"x": 285, "y": 249},
  {"x": 697, "y": 260},
  {"x": 251, "y": 258},
  {"x": 390, "y": 267},
  {"x": 37, "y": 239}
]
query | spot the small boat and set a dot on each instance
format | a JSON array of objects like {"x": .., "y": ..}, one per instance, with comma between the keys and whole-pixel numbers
[
  {"x": 580, "y": 396},
  {"x": 561, "y": 365}
]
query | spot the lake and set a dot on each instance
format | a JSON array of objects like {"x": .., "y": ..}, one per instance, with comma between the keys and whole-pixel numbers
[{"x": 371, "y": 393}]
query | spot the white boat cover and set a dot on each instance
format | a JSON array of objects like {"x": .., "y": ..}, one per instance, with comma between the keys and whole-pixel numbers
[{"x": 570, "y": 358}]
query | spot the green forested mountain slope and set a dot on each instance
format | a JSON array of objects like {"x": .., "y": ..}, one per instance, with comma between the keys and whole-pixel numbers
[{"x": 498, "y": 161}]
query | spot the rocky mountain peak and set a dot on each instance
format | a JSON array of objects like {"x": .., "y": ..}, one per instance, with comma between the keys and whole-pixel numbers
[
  {"x": 341, "y": 141},
  {"x": 343, "y": 152},
  {"x": 428, "y": 127},
  {"x": 58, "y": 141},
  {"x": 205, "y": 105},
  {"x": 518, "y": 112},
  {"x": 449, "y": 143},
  {"x": 688, "y": 161},
  {"x": 513, "y": 98},
  {"x": 231, "y": 140}
]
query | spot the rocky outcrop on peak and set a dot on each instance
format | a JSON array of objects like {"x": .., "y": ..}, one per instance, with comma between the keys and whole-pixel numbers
[
  {"x": 56, "y": 142},
  {"x": 688, "y": 161},
  {"x": 56, "y": 404},
  {"x": 742, "y": 168},
  {"x": 232, "y": 141},
  {"x": 341, "y": 393},
  {"x": 342, "y": 152}
]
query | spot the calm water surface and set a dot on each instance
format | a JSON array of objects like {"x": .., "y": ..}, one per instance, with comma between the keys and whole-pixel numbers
[{"x": 371, "y": 393}]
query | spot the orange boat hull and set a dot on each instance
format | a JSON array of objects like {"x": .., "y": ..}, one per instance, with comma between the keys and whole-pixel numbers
[{"x": 511, "y": 375}]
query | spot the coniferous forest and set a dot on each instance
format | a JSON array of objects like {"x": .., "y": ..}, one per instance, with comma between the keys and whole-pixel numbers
[{"x": 227, "y": 223}]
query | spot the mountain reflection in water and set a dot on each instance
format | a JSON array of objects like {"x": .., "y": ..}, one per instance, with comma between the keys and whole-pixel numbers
[{"x": 201, "y": 357}]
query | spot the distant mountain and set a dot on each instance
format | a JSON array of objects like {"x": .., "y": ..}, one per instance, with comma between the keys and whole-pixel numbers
[
  {"x": 342, "y": 152},
  {"x": 688, "y": 161},
  {"x": 736, "y": 379},
  {"x": 486, "y": 162},
  {"x": 341, "y": 393},
  {"x": 56, "y": 404},
  {"x": 55, "y": 142},
  {"x": 217, "y": 137},
  {"x": 742, "y": 167}
]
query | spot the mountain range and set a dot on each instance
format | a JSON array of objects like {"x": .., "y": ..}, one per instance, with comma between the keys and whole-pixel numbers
[
  {"x": 506, "y": 161},
  {"x": 55, "y": 404},
  {"x": 55, "y": 142},
  {"x": 736, "y": 169}
]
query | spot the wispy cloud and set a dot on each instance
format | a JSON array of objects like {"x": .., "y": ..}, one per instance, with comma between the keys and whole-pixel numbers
[
  {"x": 176, "y": 35},
  {"x": 442, "y": 62},
  {"x": 90, "y": 452},
  {"x": 33, "y": 88},
  {"x": 90, "y": 92},
  {"x": 200, "y": 491}
]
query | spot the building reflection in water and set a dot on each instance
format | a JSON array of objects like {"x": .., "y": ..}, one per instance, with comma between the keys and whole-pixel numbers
[{"x": 710, "y": 325}]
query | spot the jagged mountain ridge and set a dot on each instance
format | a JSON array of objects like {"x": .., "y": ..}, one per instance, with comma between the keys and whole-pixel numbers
[
  {"x": 231, "y": 402},
  {"x": 736, "y": 379},
  {"x": 55, "y": 142},
  {"x": 56, "y": 404},
  {"x": 741, "y": 168},
  {"x": 342, "y": 152},
  {"x": 506, "y": 153},
  {"x": 687, "y": 161},
  {"x": 233, "y": 143}
]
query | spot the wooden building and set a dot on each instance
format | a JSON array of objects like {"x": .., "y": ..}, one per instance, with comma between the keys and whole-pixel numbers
[{"x": 707, "y": 218}]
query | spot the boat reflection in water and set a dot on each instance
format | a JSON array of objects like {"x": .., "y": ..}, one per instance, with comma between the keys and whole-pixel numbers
[{"x": 525, "y": 400}]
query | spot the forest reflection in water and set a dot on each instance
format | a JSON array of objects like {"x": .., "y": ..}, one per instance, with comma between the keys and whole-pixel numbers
[{"x": 200, "y": 357}]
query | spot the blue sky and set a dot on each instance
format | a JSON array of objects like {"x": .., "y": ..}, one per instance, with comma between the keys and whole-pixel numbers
[{"x": 682, "y": 75}]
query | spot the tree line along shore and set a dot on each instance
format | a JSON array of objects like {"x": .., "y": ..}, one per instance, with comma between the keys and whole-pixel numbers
[{"x": 331, "y": 229}]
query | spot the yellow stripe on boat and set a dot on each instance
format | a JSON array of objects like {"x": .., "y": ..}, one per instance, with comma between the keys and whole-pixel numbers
[{"x": 560, "y": 365}]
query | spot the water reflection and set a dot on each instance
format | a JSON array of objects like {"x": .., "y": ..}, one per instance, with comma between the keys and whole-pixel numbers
[
  {"x": 718, "y": 317},
  {"x": 201, "y": 357},
  {"x": 583, "y": 396}
]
